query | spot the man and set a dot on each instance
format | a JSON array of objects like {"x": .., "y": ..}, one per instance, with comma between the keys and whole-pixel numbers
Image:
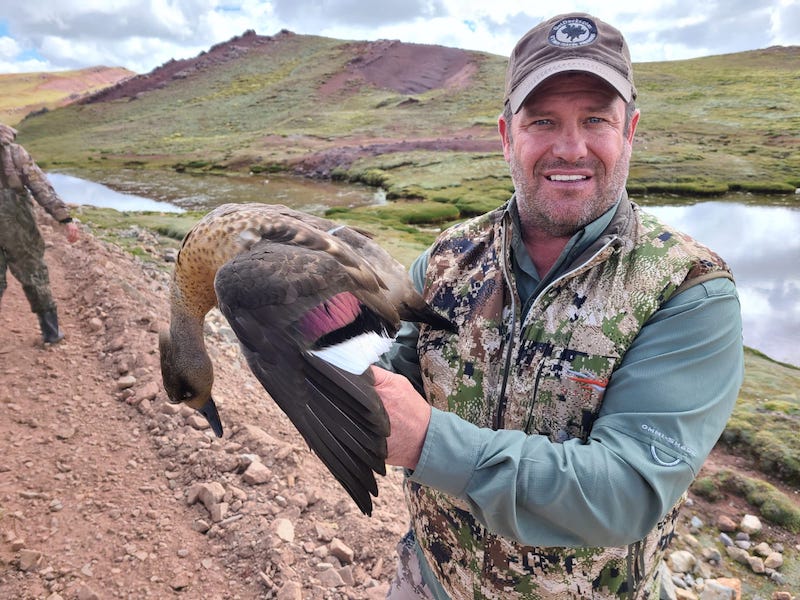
[
  {"x": 598, "y": 358},
  {"x": 21, "y": 244}
]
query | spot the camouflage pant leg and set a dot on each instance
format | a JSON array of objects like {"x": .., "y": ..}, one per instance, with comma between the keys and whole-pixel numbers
[
  {"x": 408, "y": 583},
  {"x": 22, "y": 247}
]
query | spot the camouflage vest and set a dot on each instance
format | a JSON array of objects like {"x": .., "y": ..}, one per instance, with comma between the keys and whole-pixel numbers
[{"x": 549, "y": 373}]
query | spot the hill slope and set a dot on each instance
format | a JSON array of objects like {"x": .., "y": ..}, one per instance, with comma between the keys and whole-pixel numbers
[
  {"x": 418, "y": 119},
  {"x": 24, "y": 93}
]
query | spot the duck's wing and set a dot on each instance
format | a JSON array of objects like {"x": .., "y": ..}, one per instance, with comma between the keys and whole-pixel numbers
[
  {"x": 383, "y": 283},
  {"x": 287, "y": 304}
]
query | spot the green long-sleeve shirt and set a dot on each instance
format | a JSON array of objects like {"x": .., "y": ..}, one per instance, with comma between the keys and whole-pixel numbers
[{"x": 680, "y": 378}]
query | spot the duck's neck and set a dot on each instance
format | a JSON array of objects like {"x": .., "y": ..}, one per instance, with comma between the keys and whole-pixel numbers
[{"x": 186, "y": 322}]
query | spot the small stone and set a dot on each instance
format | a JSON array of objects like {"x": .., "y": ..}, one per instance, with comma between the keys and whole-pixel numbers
[
  {"x": 781, "y": 596},
  {"x": 341, "y": 551},
  {"x": 739, "y": 555},
  {"x": 712, "y": 555},
  {"x": 207, "y": 493},
  {"x": 777, "y": 578},
  {"x": 690, "y": 540},
  {"x": 291, "y": 590},
  {"x": 284, "y": 529},
  {"x": 257, "y": 473},
  {"x": 196, "y": 421},
  {"x": 168, "y": 408},
  {"x": 726, "y": 524},
  {"x": 29, "y": 559},
  {"x": 149, "y": 391},
  {"x": 681, "y": 561},
  {"x": 733, "y": 583},
  {"x": 201, "y": 526},
  {"x": 325, "y": 532},
  {"x": 750, "y": 524},
  {"x": 218, "y": 511},
  {"x": 774, "y": 560},
  {"x": 330, "y": 578},
  {"x": 763, "y": 550},
  {"x": 756, "y": 564},
  {"x": 87, "y": 593},
  {"x": 180, "y": 582},
  {"x": 125, "y": 382},
  {"x": 346, "y": 573},
  {"x": 696, "y": 523},
  {"x": 65, "y": 432},
  {"x": 714, "y": 590}
]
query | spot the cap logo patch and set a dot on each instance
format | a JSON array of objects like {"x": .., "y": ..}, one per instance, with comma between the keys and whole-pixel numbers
[{"x": 573, "y": 32}]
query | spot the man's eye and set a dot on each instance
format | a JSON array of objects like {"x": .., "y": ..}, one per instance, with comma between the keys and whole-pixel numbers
[{"x": 595, "y": 120}]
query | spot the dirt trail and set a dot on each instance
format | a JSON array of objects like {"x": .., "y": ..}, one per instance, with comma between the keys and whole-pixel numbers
[{"x": 97, "y": 469}]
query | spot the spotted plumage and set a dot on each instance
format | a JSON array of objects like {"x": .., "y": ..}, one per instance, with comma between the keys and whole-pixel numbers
[{"x": 312, "y": 303}]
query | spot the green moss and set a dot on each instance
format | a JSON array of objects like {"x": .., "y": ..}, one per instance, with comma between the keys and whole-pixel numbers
[
  {"x": 396, "y": 214},
  {"x": 765, "y": 419},
  {"x": 763, "y": 187},
  {"x": 774, "y": 505},
  {"x": 708, "y": 488},
  {"x": 699, "y": 188}
]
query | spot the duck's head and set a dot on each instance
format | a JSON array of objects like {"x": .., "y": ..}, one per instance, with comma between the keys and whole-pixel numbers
[{"x": 188, "y": 378}]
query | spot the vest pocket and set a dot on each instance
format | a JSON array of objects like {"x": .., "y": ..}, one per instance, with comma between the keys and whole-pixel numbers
[{"x": 563, "y": 396}]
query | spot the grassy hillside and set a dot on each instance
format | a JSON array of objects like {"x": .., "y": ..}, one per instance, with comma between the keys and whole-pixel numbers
[
  {"x": 24, "y": 93},
  {"x": 314, "y": 104}
]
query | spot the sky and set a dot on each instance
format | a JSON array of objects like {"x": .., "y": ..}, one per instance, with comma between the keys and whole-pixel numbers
[{"x": 140, "y": 35}]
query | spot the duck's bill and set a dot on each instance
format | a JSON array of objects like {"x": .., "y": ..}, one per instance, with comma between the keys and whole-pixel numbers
[{"x": 209, "y": 411}]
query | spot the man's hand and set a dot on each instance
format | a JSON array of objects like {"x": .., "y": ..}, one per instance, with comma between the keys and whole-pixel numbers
[
  {"x": 409, "y": 415},
  {"x": 72, "y": 232}
]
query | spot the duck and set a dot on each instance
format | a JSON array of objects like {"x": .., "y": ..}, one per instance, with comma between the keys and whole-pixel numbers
[{"x": 312, "y": 303}]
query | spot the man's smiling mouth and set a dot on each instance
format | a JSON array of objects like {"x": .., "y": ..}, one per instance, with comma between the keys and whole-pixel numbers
[{"x": 566, "y": 177}]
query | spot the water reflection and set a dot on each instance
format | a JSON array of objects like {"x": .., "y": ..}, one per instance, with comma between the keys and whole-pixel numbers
[
  {"x": 762, "y": 247},
  {"x": 74, "y": 190},
  {"x": 203, "y": 192}
]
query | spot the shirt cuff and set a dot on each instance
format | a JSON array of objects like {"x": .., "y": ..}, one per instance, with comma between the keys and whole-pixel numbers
[{"x": 449, "y": 455}]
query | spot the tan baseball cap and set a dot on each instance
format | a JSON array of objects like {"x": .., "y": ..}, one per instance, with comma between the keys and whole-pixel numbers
[{"x": 569, "y": 42}]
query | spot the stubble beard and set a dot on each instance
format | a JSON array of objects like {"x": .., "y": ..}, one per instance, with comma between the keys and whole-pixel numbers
[{"x": 565, "y": 217}]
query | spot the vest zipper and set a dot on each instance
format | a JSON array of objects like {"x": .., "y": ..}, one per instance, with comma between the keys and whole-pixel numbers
[{"x": 499, "y": 415}]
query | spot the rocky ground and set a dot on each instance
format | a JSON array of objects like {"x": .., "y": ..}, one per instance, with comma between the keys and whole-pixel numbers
[{"x": 108, "y": 491}]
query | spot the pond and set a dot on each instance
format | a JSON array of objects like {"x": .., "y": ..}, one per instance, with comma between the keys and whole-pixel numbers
[
  {"x": 185, "y": 191},
  {"x": 758, "y": 237},
  {"x": 762, "y": 247}
]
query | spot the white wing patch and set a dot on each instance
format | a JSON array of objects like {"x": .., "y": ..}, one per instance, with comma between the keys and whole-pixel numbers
[{"x": 356, "y": 354}]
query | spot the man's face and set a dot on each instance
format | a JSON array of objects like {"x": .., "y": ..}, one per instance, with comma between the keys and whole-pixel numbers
[{"x": 568, "y": 153}]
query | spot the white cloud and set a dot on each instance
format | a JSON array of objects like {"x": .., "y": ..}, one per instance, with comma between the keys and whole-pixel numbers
[{"x": 141, "y": 34}]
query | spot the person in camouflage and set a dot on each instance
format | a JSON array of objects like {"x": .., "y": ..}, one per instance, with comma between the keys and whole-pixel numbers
[
  {"x": 21, "y": 243},
  {"x": 550, "y": 443}
]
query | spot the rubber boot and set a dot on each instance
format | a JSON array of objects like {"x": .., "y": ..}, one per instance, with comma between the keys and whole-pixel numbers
[{"x": 48, "y": 321}]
